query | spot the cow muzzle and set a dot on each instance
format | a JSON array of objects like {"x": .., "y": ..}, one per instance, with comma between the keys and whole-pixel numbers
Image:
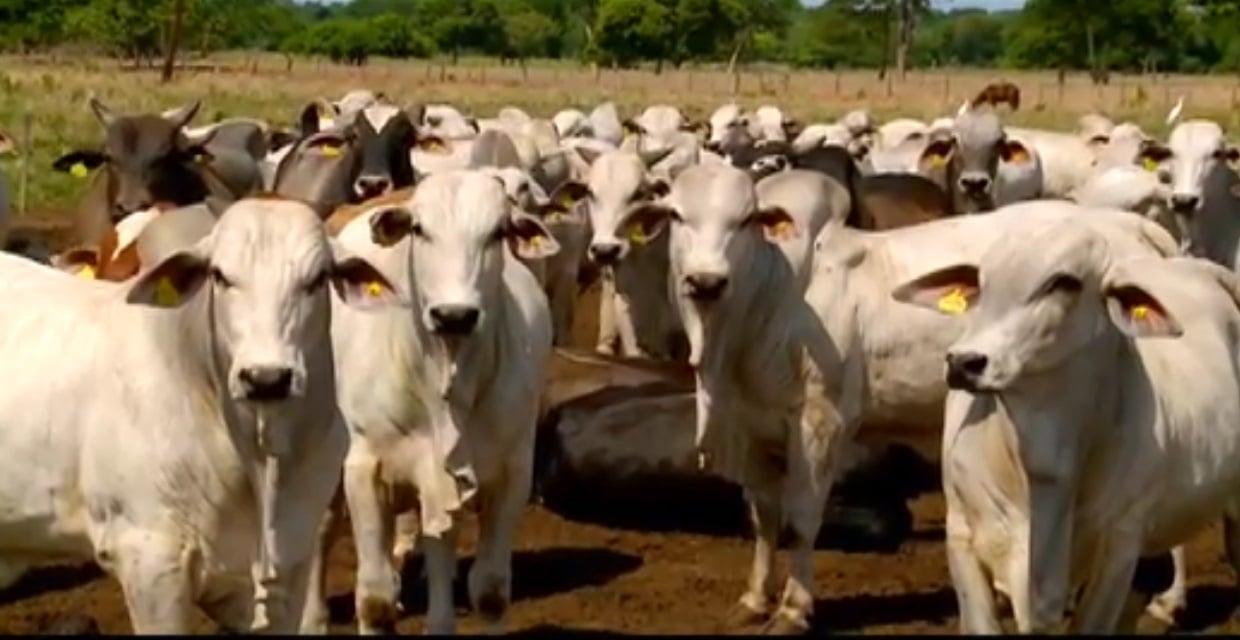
[
  {"x": 605, "y": 253},
  {"x": 965, "y": 370},
  {"x": 265, "y": 383},
  {"x": 705, "y": 287},
  {"x": 975, "y": 185},
  {"x": 368, "y": 187},
  {"x": 1184, "y": 203},
  {"x": 454, "y": 319}
]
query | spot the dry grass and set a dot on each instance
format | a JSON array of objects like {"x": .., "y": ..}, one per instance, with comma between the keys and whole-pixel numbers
[{"x": 50, "y": 94}]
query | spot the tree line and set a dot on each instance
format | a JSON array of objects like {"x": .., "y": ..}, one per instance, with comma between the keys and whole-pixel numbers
[{"x": 1097, "y": 35}]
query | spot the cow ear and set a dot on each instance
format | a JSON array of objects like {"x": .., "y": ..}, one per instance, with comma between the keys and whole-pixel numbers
[
  {"x": 329, "y": 145},
  {"x": 793, "y": 128},
  {"x": 79, "y": 163},
  {"x": 646, "y": 221},
  {"x": 776, "y": 224},
  {"x": 560, "y": 206},
  {"x": 655, "y": 189},
  {"x": 937, "y": 153},
  {"x": 360, "y": 285},
  {"x": 390, "y": 226},
  {"x": 197, "y": 154},
  {"x": 631, "y": 128},
  {"x": 951, "y": 290},
  {"x": 1138, "y": 314},
  {"x": 309, "y": 120},
  {"x": 82, "y": 262},
  {"x": 1013, "y": 152},
  {"x": 171, "y": 282},
  {"x": 653, "y": 157},
  {"x": 1228, "y": 154},
  {"x": 529, "y": 238},
  {"x": 6, "y": 144},
  {"x": 433, "y": 144},
  {"x": 1152, "y": 154}
]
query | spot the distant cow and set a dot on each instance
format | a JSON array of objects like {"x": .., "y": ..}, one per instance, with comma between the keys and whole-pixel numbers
[
  {"x": 147, "y": 158},
  {"x": 997, "y": 93}
]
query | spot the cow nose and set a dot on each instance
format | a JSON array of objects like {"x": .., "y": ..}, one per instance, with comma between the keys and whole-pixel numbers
[
  {"x": 266, "y": 383},
  {"x": 1184, "y": 203},
  {"x": 975, "y": 184},
  {"x": 964, "y": 370},
  {"x": 706, "y": 286},
  {"x": 605, "y": 253},
  {"x": 371, "y": 186},
  {"x": 454, "y": 319}
]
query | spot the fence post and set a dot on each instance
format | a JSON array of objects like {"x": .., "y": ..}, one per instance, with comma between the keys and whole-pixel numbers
[{"x": 23, "y": 185}]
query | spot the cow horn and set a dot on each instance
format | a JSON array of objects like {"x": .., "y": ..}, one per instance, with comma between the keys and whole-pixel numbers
[
  {"x": 102, "y": 112},
  {"x": 181, "y": 116}
]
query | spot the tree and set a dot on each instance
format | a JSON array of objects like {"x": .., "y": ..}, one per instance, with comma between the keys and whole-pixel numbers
[
  {"x": 633, "y": 30},
  {"x": 173, "y": 41},
  {"x": 528, "y": 33}
]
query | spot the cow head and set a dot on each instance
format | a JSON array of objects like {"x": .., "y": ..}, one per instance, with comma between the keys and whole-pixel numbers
[
  {"x": 266, "y": 266},
  {"x": 147, "y": 158},
  {"x": 1195, "y": 155},
  {"x": 1041, "y": 299},
  {"x": 965, "y": 162},
  {"x": 617, "y": 182},
  {"x": 459, "y": 225}
]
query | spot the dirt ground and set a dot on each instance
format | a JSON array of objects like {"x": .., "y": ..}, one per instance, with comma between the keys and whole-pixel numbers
[
  {"x": 579, "y": 578},
  {"x": 584, "y": 579}
]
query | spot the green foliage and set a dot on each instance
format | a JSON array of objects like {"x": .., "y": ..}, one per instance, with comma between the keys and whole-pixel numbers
[{"x": 1131, "y": 35}]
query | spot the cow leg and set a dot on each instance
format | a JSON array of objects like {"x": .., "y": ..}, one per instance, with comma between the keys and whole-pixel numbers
[
  {"x": 1108, "y": 591},
  {"x": 440, "y": 555},
  {"x": 975, "y": 597},
  {"x": 624, "y": 327},
  {"x": 155, "y": 571},
  {"x": 806, "y": 486},
  {"x": 1168, "y": 604},
  {"x": 562, "y": 297},
  {"x": 607, "y": 334},
  {"x": 378, "y": 583},
  {"x": 767, "y": 516},
  {"x": 407, "y": 529},
  {"x": 315, "y": 616},
  {"x": 490, "y": 579}
]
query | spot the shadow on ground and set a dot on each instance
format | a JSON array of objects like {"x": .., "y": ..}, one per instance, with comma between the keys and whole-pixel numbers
[{"x": 539, "y": 573}]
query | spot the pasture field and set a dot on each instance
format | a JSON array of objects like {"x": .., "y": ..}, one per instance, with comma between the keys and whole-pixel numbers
[{"x": 575, "y": 576}]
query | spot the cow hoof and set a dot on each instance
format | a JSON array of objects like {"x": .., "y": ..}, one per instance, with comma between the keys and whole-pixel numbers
[
  {"x": 742, "y": 616},
  {"x": 377, "y": 617},
  {"x": 783, "y": 625},
  {"x": 1164, "y": 611}
]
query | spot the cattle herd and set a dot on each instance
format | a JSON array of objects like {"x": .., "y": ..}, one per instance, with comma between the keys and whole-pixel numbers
[{"x": 261, "y": 334}]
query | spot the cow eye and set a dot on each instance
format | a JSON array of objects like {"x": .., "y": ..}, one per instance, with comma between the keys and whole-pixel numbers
[
  {"x": 219, "y": 279},
  {"x": 1063, "y": 283},
  {"x": 497, "y": 235},
  {"x": 417, "y": 231}
]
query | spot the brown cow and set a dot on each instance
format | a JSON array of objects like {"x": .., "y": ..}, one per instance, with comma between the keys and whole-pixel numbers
[
  {"x": 894, "y": 200},
  {"x": 996, "y": 93},
  {"x": 143, "y": 238},
  {"x": 146, "y": 158}
]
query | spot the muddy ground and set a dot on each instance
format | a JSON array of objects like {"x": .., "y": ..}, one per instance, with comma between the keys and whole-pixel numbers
[{"x": 582, "y": 578}]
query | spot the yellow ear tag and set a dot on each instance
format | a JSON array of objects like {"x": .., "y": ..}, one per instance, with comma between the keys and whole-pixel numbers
[
  {"x": 1140, "y": 312},
  {"x": 937, "y": 160},
  {"x": 79, "y": 170},
  {"x": 781, "y": 229},
  {"x": 638, "y": 235},
  {"x": 1017, "y": 156},
  {"x": 331, "y": 151},
  {"x": 954, "y": 303},
  {"x": 1150, "y": 164},
  {"x": 535, "y": 242},
  {"x": 374, "y": 289},
  {"x": 87, "y": 272},
  {"x": 165, "y": 294}
]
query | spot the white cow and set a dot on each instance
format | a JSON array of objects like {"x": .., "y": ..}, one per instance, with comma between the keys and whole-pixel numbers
[
  {"x": 1195, "y": 165},
  {"x": 447, "y": 123},
  {"x": 605, "y": 124},
  {"x": 749, "y": 331},
  {"x": 640, "y": 309},
  {"x": 210, "y": 375},
  {"x": 443, "y": 399},
  {"x": 1111, "y": 383}
]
